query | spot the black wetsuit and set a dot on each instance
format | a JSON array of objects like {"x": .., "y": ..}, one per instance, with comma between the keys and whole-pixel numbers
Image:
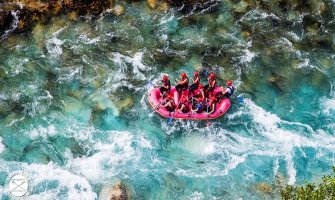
[
  {"x": 180, "y": 87},
  {"x": 166, "y": 88},
  {"x": 194, "y": 86},
  {"x": 210, "y": 86}
]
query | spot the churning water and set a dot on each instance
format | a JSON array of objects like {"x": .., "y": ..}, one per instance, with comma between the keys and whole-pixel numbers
[{"x": 75, "y": 117}]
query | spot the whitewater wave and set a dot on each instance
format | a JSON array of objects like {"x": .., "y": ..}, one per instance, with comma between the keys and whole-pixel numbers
[
  {"x": 110, "y": 157},
  {"x": 267, "y": 136},
  {"x": 328, "y": 106},
  {"x": 51, "y": 182},
  {"x": 54, "y": 45},
  {"x": 2, "y": 146}
]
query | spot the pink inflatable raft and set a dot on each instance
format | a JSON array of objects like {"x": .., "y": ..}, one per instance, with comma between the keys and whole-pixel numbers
[{"x": 155, "y": 102}]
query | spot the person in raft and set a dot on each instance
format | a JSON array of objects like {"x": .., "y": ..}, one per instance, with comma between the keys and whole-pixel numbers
[
  {"x": 226, "y": 93},
  {"x": 211, "y": 84},
  {"x": 211, "y": 105},
  {"x": 165, "y": 89},
  {"x": 201, "y": 93},
  {"x": 169, "y": 103},
  {"x": 182, "y": 84},
  {"x": 198, "y": 106},
  {"x": 183, "y": 105},
  {"x": 195, "y": 84}
]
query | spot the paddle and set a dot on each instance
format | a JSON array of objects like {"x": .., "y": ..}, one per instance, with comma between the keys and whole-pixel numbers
[
  {"x": 170, "y": 120},
  {"x": 150, "y": 85},
  {"x": 205, "y": 72},
  {"x": 239, "y": 98}
]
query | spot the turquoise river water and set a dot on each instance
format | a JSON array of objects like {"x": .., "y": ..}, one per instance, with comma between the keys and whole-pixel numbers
[{"x": 74, "y": 115}]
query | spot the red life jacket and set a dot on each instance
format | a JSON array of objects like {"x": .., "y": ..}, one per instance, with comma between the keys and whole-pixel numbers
[
  {"x": 172, "y": 103},
  {"x": 186, "y": 83},
  {"x": 167, "y": 84},
  {"x": 200, "y": 93}
]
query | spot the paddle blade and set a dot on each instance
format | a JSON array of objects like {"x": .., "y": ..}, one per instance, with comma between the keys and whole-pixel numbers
[
  {"x": 170, "y": 121},
  {"x": 205, "y": 72},
  {"x": 240, "y": 99},
  {"x": 150, "y": 85}
]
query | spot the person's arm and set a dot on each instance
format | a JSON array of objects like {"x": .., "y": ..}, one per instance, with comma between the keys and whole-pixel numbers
[
  {"x": 213, "y": 83},
  {"x": 196, "y": 80},
  {"x": 226, "y": 91},
  {"x": 203, "y": 94},
  {"x": 183, "y": 81},
  {"x": 168, "y": 85},
  {"x": 181, "y": 108},
  {"x": 196, "y": 108},
  {"x": 166, "y": 104}
]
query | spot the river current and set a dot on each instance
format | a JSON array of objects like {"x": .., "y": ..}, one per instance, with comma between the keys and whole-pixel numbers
[{"x": 75, "y": 117}]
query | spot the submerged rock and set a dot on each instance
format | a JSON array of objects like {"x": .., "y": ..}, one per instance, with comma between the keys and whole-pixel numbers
[
  {"x": 241, "y": 7},
  {"x": 124, "y": 103},
  {"x": 173, "y": 181},
  {"x": 163, "y": 7},
  {"x": 4, "y": 108},
  {"x": 276, "y": 81},
  {"x": 77, "y": 108},
  {"x": 264, "y": 188},
  {"x": 152, "y": 3},
  {"x": 119, "y": 191},
  {"x": 118, "y": 10},
  {"x": 280, "y": 180}
]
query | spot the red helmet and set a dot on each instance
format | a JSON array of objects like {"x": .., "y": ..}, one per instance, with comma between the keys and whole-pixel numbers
[
  {"x": 212, "y": 75},
  {"x": 201, "y": 86},
  {"x": 229, "y": 83},
  {"x": 183, "y": 75},
  {"x": 196, "y": 73},
  {"x": 165, "y": 78}
]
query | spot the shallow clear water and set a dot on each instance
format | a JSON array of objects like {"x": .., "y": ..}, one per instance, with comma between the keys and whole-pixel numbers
[{"x": 74, "y": 112}]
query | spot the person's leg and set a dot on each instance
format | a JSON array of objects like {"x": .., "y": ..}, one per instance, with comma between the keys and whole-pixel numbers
[
  {"x": 185, "y": 87},
  {"x": 178, "y": 87},
  {"x": 163, "y": 91},
  {"x": 219, "y": 96},
  {"x": 191, "y": 89},
  {"x": 226, "y": 95}
]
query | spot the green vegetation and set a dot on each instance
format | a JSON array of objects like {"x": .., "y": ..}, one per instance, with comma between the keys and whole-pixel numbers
[{"x": 325, "y": 190}]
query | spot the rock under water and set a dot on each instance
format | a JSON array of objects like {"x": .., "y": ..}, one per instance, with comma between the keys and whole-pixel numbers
[{"x": 119, "y": 191}]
